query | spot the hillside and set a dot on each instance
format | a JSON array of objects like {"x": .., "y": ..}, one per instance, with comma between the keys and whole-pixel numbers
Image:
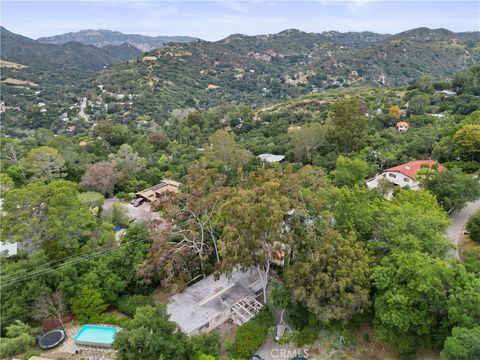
[
  {"x": 260, "y": 69},
  {"x": 103, "y": 38},
  {"x": 49, "y": 63}
]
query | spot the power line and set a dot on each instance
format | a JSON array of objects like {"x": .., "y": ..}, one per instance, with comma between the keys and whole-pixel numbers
[
  {"x": 69, "y": 258},
  {"x": 67, "y": 263}
]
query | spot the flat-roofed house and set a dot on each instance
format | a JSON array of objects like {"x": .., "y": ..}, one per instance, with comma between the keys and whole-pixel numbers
[{"x": 207, "y": 304}]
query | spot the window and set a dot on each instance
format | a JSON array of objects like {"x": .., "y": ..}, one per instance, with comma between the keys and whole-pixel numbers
[
  {"x": 392, "y": 175},
  {"x": 406, "y": 179}
]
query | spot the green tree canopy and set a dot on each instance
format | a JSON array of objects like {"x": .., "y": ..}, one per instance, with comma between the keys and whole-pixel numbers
[
  {"x": 329, "y": 273},
  {"x": 151, "y": 335},
  {"x": 88, "y": 304},
  {"x": 44, "y": 164},
  {"x": 349, "y": 172},
  {"x": 473, "y": 227},
  {"x": 463, "y": 344},
  {"x": 467, "y": 142},
  {"x": 412, "y": 220},
  {"x": 49, "y": 215},
  {"x": 349, "y": 128},
  {"x": 452, "y": 188},
  {"x": 411, "y": 299}
]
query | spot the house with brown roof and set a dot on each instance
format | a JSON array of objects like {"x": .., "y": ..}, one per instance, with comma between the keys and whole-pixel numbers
[
  {"x": 406, "y": 174},
  {"x": 152, "y": 193}
]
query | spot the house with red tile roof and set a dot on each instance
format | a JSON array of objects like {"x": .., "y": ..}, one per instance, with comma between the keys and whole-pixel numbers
[
  {"x": 402, "y": 126},
  {"x": 406, "y": 174}
]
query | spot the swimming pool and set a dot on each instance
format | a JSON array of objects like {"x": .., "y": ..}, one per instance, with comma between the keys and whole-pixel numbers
[{"x": 96, "y": 335}]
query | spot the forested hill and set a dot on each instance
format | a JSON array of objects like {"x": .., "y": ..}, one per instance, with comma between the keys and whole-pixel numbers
[
  {"x": 56, "y": 65},
  {"x": 257, "y": 69},
  {"x": 103, "y": 38}
]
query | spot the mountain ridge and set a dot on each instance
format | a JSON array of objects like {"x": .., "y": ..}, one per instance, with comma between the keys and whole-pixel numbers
[
  {"x": 102, "y": 38},
  {"x": 257, "y": 69}
]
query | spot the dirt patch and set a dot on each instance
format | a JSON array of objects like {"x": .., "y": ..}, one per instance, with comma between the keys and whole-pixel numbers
[
  {"x": 161, "y": 295},
  {"x": 227, "y": 337},
  {"x": 11, "y": 65},
  {"x": 16, "y": 82},
  {"x": 369, "y": 346}
]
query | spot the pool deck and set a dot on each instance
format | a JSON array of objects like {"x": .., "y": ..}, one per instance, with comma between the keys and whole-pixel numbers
[{"x": 85, "y": 352}]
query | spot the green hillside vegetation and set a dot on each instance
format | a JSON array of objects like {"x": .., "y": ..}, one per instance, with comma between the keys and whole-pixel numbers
[
  {"x": 260, "y": 69},
  {"x": 354, "y": 256}
]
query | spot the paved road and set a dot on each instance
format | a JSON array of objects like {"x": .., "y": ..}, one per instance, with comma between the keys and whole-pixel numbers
[{"x": 459, "y": 219}]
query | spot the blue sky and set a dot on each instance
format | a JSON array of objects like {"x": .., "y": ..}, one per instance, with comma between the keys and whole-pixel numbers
[{"x": 213, "y": 20}]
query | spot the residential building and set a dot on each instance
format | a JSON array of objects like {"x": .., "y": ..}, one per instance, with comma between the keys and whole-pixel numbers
[
  {"x": 152, "y": 193},
  {"x": 406, "y": 174},
  {"x": 270, "y": 158},
  {"x": 402, "y": 126},
  {"x": 207, "y": 304}
]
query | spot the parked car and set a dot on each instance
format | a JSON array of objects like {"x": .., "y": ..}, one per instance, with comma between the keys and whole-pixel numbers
[
  {"x": 137, "y": 202},
  {"x": 255, "y": 357}
]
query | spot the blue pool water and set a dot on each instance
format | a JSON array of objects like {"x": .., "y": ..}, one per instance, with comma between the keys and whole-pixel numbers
[{"x": 96, "y": 335}]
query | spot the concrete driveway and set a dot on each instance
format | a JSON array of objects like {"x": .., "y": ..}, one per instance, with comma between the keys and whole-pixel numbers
[
  {"x": 138, "y": 214},
  {"x": 271, "y": 350},
  {"x": 459, "y": 219}
]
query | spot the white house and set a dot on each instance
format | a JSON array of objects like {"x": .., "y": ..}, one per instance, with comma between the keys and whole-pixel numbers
[
  {"x": 270, "y": 158},
  {"x": 207, "y": 304},
  {"x": 406, "y": 174},
  {"x": 402, "y": 126}
]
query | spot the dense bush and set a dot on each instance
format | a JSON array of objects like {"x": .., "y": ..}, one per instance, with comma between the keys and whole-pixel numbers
[
  {"x": 471, "y": 259},
  {"x": 250, "y": 335},
  {"x": 20, "y": 338},
  {"x": 112, "y": 319},
  {"x": 129, "y": 304},
  {"x": 473, "y": 226},
  {"x": 87, "y": 305},
  {"x": 464, "y": 344},
  {"x": 308, "y": 335},
  {"x": 204, "y": 346}
]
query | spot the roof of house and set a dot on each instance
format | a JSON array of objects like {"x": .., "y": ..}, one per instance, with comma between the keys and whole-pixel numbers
[
  {"x": 270, "y": 158},
  {"x": 410, "y": 169},
  {"x": 206, "y": 299},
  {"x": 150, "y": 192},
  {"x": 403, "y": 123}
]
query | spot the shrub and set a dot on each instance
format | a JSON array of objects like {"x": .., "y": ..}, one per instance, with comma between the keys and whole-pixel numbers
[
  {"x": 463, "y": 344},
  {"x": 471, "y": 260},
  {"x": 306, "y": 336},
  {"x": 250, "y": 335},
  {"x": 228, "y": 344},
  {"x": 119, "y": 214},
  {"x": 205, "y": 344},
  {"x": 20, "y": 338},
  {"x": 112, "y": 320},
  {"x": 473, "y": 226},
  {"x": 129, "y": 304},
  {"x": 88, "y": 304}
]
